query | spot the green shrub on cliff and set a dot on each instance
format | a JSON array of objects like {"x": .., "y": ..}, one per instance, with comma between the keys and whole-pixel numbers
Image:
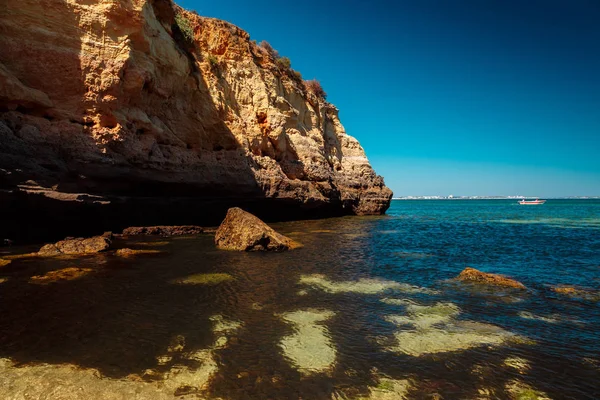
[
  {"x": 185, "y": 27},
  {"x": 284, "y": 62}
]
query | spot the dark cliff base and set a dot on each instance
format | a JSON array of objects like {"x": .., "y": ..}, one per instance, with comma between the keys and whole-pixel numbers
[{"x": 34, "y": 217}]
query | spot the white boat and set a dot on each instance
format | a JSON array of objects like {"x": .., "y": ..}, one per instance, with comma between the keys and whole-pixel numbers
[{"x": 531, "y": 202}]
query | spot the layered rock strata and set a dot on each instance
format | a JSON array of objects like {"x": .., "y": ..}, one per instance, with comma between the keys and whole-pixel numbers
[{"x": 110, "y": 115}]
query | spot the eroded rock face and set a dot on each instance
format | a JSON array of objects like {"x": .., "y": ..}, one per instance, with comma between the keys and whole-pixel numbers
[
  {"x": 91, "y": 245},
  {"x": 476, "y": 276},
  {"x": 107, "y": 98},
  {"x": 163, "y": 230},
  {"x": 245, "y": 232}
]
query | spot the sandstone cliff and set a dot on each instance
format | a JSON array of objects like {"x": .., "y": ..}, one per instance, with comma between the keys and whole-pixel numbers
[{"x": 108, "y": 113}]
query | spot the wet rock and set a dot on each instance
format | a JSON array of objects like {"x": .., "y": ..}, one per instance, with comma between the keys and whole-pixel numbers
[
  {"x": 476, "y": 276},
  {"x": 243, "y": 231},
  {"x": 66, "y": 274},
  {"x": 4, "y": 262},
  {"x": 164, "y": 230},
  {"x": 131, "y": 252},
  {"x": 574, "y": 291},
  {"x": 91, "y": 245}
]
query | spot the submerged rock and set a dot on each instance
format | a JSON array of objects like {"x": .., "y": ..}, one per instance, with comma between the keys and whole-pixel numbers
[
  {"x": 309, "y": 348},
  {"x": 574, "y": 291},
  {"x": 126, "y": 252},
  {"x": 204, "y": 279},
  {"x": 65, "y": 274},
  {"x": 243, "y": 231},
  {"x": 435, "y": 329},
  {"x": 363, "y": 286},
  {"x": 4, "y": 262},
  {"x": 164, "y": 230},
  {"x": 390, "y": 389},
  {"x": 91, "y": 245},
  {"x": 519, "y": 364},
  {"x": 519, "y": 390},
  {"x": 476, "y": 276}
]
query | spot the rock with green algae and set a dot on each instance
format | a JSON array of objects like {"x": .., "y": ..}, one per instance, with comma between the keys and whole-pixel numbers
[
  {"x": 475, "y": 276},
  {"x": 243, "y": 231}
]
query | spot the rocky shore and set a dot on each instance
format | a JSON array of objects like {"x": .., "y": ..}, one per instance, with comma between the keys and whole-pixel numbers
[{"x": 117, "y": 114}]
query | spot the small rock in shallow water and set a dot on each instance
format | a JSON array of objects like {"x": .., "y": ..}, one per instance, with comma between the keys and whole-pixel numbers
[
  {"x": 476, "y": 276},
  {"x": 243, "y": 231},
  {"x": 164, "y": 230},
  {"x": 91, "y": 245}
]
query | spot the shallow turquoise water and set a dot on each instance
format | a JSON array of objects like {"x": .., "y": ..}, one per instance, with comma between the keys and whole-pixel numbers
[{"x": 337, "y": 317}]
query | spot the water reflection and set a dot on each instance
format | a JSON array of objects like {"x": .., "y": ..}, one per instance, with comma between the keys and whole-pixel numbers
[{"x": 353, "y": 314}]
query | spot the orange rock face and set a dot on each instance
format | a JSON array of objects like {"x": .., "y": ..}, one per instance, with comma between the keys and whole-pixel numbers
[
  {"x": 476, "y": 276},
  {"x": 108, "y": 98}
]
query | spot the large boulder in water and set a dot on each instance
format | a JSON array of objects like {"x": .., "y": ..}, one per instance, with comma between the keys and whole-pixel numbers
[
  {"x": 476, "y": 276},
  {"x": 243, "y": 231},
  {"x": 91, "y": 245}
]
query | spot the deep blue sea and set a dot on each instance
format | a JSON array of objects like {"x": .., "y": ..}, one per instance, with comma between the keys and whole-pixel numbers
[{"x": 367, "y": 309}]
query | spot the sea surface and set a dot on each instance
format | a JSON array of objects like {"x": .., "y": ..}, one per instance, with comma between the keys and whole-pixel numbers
[{"x": 368, "y": 308}]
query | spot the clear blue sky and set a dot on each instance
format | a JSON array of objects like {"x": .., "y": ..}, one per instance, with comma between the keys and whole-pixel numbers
[{"x": 451, "y": 96}]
